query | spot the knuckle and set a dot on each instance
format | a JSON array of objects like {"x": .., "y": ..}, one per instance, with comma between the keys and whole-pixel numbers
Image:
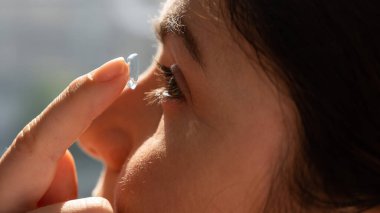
[
  {"x": 75, "y": 85},
  {"x": 27, "y": 138},
  {"x": 72, "y": 89}
]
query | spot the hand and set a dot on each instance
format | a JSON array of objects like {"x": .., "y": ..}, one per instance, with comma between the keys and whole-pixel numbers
[{"x": 37, "y": 170}]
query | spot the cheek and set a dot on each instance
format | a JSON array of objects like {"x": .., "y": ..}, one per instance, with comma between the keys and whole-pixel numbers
[
  {"x": 189, "y": 163},
  {"x": 185, "y": 165},
  {"x": 145, "y": 182},
  {"x": 164, "y": 171}
]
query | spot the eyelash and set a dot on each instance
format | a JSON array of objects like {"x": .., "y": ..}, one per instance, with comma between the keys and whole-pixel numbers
[{"x": 170, "y": 89}]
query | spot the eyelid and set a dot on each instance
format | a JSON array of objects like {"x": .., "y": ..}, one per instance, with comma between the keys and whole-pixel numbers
[
  {"x": 170, "y": 89},
  {"x": 175, "y": 70},
  {"x": 161, "y": 66},
  {"x": 181, "y": 81}
]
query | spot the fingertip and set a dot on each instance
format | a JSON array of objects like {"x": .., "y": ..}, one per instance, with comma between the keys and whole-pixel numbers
[
  {"x": 120, "y": 64},
  {"x": 110, "y": 70}
]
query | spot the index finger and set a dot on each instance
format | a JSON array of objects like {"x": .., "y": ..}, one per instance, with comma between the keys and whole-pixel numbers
[{"x": 29, "y": 164}]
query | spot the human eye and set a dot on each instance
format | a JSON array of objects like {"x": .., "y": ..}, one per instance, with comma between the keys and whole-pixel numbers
[{"x": 169, "y": 90}]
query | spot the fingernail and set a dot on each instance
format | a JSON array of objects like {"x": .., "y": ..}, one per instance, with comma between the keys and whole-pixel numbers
[{"x": 109, "y": 70}]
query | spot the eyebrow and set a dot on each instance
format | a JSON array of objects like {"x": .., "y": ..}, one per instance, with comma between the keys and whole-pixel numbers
[{"x": 174, "y": 23}]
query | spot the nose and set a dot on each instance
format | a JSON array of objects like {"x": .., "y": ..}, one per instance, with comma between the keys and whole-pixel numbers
[{"x": 124, "y": 126}]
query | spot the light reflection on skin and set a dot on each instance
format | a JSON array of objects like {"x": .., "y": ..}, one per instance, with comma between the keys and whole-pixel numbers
[{"x": 217, "y": 151}]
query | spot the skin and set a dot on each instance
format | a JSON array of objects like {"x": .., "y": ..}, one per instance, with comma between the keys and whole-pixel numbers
[{"x": 217, "y": 150}]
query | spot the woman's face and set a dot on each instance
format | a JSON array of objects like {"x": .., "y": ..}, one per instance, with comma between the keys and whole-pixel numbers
[{"x": 215, "y": 149}]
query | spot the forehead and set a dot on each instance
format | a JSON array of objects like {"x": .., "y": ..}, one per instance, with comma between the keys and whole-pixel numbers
[
  {"x": 175, "y": 19},
  {"x": 197, "y": 22}
]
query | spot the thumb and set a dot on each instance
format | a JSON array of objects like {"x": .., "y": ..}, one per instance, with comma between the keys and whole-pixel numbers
[
  {"x": 64, "y": 186},
  {"x": 84, "y": 205}
]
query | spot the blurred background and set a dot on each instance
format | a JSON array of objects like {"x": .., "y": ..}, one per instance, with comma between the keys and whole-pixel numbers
[{"x": 44, "y": 44}]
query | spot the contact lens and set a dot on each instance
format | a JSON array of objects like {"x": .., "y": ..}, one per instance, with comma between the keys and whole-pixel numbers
[{"x": 134, "y": 70}]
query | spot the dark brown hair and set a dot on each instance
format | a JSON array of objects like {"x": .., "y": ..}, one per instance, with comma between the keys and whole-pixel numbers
[{"x": 328, "y": 52}]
